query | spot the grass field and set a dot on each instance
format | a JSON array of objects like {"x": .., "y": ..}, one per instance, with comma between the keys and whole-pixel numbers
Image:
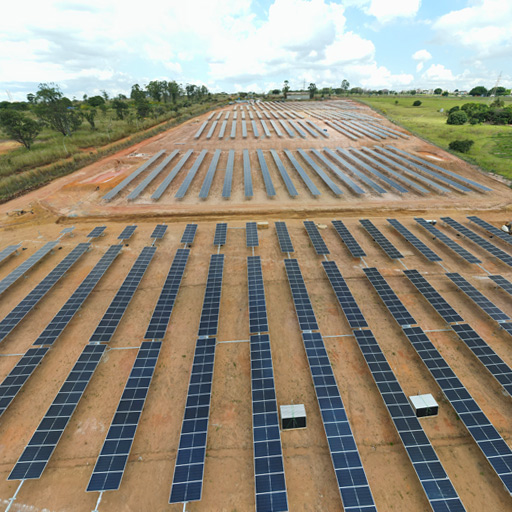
[{"x": 492, "y": 150}]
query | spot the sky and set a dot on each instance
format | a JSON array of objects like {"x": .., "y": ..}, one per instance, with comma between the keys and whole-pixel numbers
[{"x": 86, "y": 46}]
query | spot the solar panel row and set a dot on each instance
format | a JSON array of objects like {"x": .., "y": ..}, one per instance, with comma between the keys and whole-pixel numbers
[
  {"x": 159, "y": 231},
  {"x": 228, "y": 178},
  {"x": 189, "y": 234},
  {"x": 170, "y": 177},
  {"x": 414, "y": 241},
  {"x": 494, "y": 231},
  {"x": 258, "y": 321},
  {"x": 378, "y": 237},
  {"x": 346, "y": 237},
  {"x": 221, "y": 231},
  {"x": 251, "y": 234},
  {"x": 208, "y": 180},
  {"x": 316, "y": 238},
  {"x": 285, "y": 242},
  {"x": 209, "y": 322},
  {"x": 247, "y": 174},
  {"x": 269, "y": 186},
  {"x": 10, "y": 249},
  {"x": 190, "y": 176},
  {"x": 127, "y": 233},
  {"x": 96, "y": 232}
]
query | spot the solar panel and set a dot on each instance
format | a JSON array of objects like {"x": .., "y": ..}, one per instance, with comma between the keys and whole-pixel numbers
[
  {"x": 207, "y": 183},
  {"x": 41, "y": 446},
  {"x": 159, "y": 231},
  {"x": 346, "y": 237},
  {"x": 321, "y": 173},
  {"x": 303, "y": 307},
  {"x": 244, "y": 127},
  {"x": 17, "y": 314},
  {"x": 113, "y": 193},
  {"x": 446, "y": 240},
  {"x": 96, "y": 232},
  {"x": 434, "y": 480},
  {"x": 414, "y": 241},
  {"x": 221, "y": 231},
  {"x": 297, "y": 129},
  {"x": 10, "y": 249},
  {"x": 276, "y": 127},
  {"x": 269, "y": 186},
  {"x": 211, "y": 130},
  {"x": 345, "y": 298},
  {"x": 190, "y": 176},
  {"x": 127, "y": 232},
  {"x": 288, "y": 130},
  {"x": 478, "y": 298},
  {"x": 165, "y": 304},
  {"x": 270, "y": 484},
  {"x": 222, "y": 130},
  {"x": 228, "y": 178},
  {"x": 24, "y": 267},
  {"x": 302, "y": 173},
  {"x": 59, "y": 322},
  {"x": 477, "y": 239},
  {"x": 390, "y": 299},
  {"x": 168, "y": 179},
  {"x": 233, "y": 127},
  {"x": 251, "y": 234},
  {"x": 284, "y": 174},
  {"x": 491, "y": 229},
  {"x": 265, "y": 128},
  {"x": 378, "y": 237},
  {"x": 258, "y": 322},
  {"x": 209, "y": 322},
  {"x": 111, "y": 463},
  {"x": 285, "y": 242},
  {"x": 502, "y": 283},
  {"x": 247, "y": 174},
  {"x": 112, "y": 317},
  {"x": 187, "y": 482},
  {"x": 151, "y": 176},
  {"x": 17, "y": 377},
  {"x": 444, "y": 309},
  {"x": 189, "y": 234},
  {"x": 308, "y": 129},
  {"x": 316, "y": 237},
  {"x": 201, "y": 129},
  {"x": 65, "y": 231}
]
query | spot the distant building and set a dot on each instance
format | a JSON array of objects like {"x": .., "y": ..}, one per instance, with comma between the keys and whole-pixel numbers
[{"x": 297, "y": 96}]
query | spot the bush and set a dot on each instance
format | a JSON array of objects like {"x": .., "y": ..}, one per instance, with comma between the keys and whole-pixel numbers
[
  {"x": 417, "y": 103},
  {"x": 462, "y": 146},
  {"x": 457, "y": 117}
]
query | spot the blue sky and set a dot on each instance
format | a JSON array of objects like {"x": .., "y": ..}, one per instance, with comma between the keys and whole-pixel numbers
[{"x": 233, "y": 45}]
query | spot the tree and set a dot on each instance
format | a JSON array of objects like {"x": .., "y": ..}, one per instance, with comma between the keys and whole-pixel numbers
[
  {"x": 31, "y": 97},
  {"x": 345, "y": 85},
  {"x": 438, "y": 90},
  {"x": 120, "y": 107},
  {"x": 174, "y": 90},
  {"x": 458, "y": 117},
  {"x": 89, "y": 114},
  {"x": 480, "y": 90},
  {"x": 462, "y": 146},
  {"x": 155, "y": 89},
  {"x": 417, "y": 103},
  {"x": 95, "y": 101},
  {"x": 286, "y": 88},
  {"x": 356, "y": 90},
  {"x": 137, "y": 93},
  {"x": 19, "y": 127},
  {"x": 312, "y": 90},
  {"x": 444, "y": 93},
  {"x": 276, "y": 91},
  {"x": 55, "y": 110}
]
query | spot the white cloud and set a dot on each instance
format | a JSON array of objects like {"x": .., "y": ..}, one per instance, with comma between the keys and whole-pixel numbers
[
  {"x": 422, "y": 55},
  {"x": 386, "y": 10},
  {"x": 419, "y": 67},
  {"x": 437, "y": 72}
]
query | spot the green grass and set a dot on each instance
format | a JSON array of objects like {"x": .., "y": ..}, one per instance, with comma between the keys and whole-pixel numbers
[{"x": 492, "y": 150}]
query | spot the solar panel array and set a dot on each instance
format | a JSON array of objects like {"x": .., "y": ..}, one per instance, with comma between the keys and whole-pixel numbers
[
  {"x": 127, "y": 232},
  {"x": 189, "y": 234},
  {"x": 378, "y": 237},
  {"x": 159, "y": 231},
  {"x": 24, "y": 267},
  {"x": 316, "y": 237},
  {"x": 10, "y": 249},
  {"x": 269, "y": 186},
  {"x": 41, "y": 446},
  {"x": 170, "y": 177},
  {"x": 302, "y": 173},
  {"x": 502, "y": 283},
  {"x": 190, "y": 176},
  {"x": 209, "y": 322},
  {"x": 162, "y": 313},
  {"x": 321, "y": 173},
  {"x": 284, "y": 174},
  {"x": 491, "y": 229},
  {"x": 111, "y": 463},
  {"x": 59, "y": 322},
  {"x": 251, "y": 234},
  {"x": 228, "y": 178},
  {"x": 258, "y": 322},
  {"x": 477, "y": 239},
  {"x": 221, "y": 231},
  {"x": 414, "y": 241},
  {"x": 285, "y": 242},
  {"x": 446, "y": 240},
  {"x": 346, "y": 237},
  {"x": 17, "y": 314},
  {"x": 110, "y": 320},
  {"x": 208, "y": 180},
  {"x": 96, "y": 232},
  {"x": 247, "y": 174}
]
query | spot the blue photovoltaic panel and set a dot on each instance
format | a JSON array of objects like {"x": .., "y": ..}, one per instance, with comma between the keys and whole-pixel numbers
[
  {"x": 297, "y": 129},
  {"x": 284, "y": 174},
  {"x": 211, "y": 130},
  {"x": 285, "y": 242},
  {"x": 110, "y": 195},
  {"x": 233, "y": 127},
  {"x": 254, "y": 127},
  {"x": 316, "y": 237},
  {"x": 221, "y": 231},
  {"x": 187, "y": 484},
  {"x": 308, "y": 129},
  {"x": 244, "y": 127},
  {"x": 247, "y": 174},
  {"x": 303, "y": 307},
  {"x": 276, "y": 128},
  {"x": 96, "y": 232},
  {"x": 258, "y": 321},
  {"x": 17, "y": 314},
  {"x": 41, "y": 446},
  {"x": 346, "y": 237},
  {"x": 265, "y": 128},
  {"x": 251, "y": 234},
  {"x": 270, "y": 484},
  {"x": 209, "y": 322},
  {"x": 384, "y": 243},
  {"x": 65, "y": 231},
  {"x": 288, "y": 130},
  {"x": 201, "y": 129},
  {"x": 494, "y": 231},
  {"x": 159, "y": 231},
  {"x": 415, "y": 241},
  {"x": 389, "y": 297},
  {"x": 127, "y": 232},
  {"x": 228, "y": 178},
  {"x": 207, "y": 183},
  {"x": 446, "y": 240},
  {"x": 189, "y": 234},
  {"x": 59, "y": 322},
  {"x": 302, "y": 173},
  {"x": 17, "y": 377},
  {"x": 318, "y": 129},
  {"x": 269, "y": 186},
  {"x": 321, "y": 173},
  {"x": 172, "y": 174},
  {"x": 503, "y": 283},
  {"x": 348, "y": 305},
  {"x": 163, "y": 309},
  {"x": 190, "y": 176},
  {"x": 112, "y": 317},
  {"x": 434, "y": 480},
  {"x": 222, "y": 130},
  {"x": 10, "y": 249},
  {"x": 111, "y": 463},
  {"x": 477, "y": 239},
  {"x": 24, "y": 267}
]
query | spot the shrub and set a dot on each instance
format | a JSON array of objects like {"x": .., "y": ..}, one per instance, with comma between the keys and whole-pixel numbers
[
  {"x": 454, "y": 109},
  {"x": 462, "y": 146},
  {"x": 417, "y": 103},
  {"x": 457, "y": 117}
]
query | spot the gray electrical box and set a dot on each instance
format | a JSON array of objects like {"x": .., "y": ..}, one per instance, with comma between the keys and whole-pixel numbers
[
  {"x": 293, "y": 416},
  {"x": 424, "y": 405}
]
